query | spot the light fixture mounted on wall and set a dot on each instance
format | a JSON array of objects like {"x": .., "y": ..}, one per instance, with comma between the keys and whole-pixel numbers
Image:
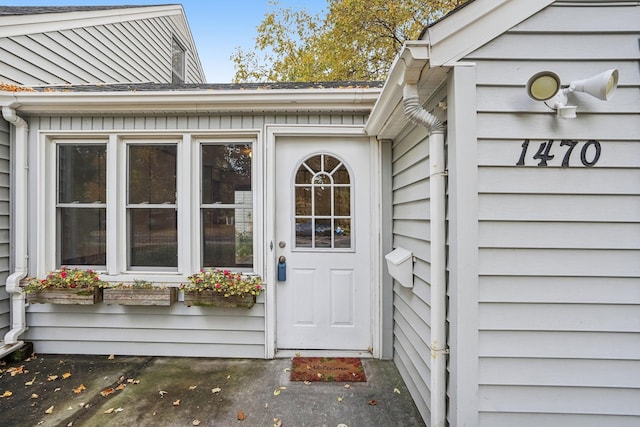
[{"x": 545, "y": 86}]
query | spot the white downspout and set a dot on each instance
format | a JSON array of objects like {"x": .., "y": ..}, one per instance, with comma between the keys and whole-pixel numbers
[
  {"x": 18, "y": 312},
  {"x": 418, "y": 115}
]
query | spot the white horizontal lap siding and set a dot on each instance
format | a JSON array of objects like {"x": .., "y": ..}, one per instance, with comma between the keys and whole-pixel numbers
[
  {"x": 411, "y": 230},
  {"x": 131, "y": 51},
  {"x": 159, "y": 331},
  {"x": 5, "y": 320},
  {"x": 172, "y": 331},
  {"x": 559, "y": 256}
]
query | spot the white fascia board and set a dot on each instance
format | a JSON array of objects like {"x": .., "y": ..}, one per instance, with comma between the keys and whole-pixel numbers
[
  {"x": 281, "y": 100},
  {"x": 15, "y": 25},
  {"x": 474, "y": 25}
]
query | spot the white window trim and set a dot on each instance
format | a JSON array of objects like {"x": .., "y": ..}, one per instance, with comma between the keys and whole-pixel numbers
[{"x": 188, "y": 200}]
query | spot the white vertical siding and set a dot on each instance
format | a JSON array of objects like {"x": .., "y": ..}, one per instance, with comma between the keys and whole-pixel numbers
[
  {"x": 4, "y": 225},
  {"x": 166, "y": 331},
  {"x": 559, "y": 248},
  {"x": 130, "y": 51}
]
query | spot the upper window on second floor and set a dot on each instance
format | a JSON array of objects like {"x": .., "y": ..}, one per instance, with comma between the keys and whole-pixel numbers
[{"x": 177, "y": 62}]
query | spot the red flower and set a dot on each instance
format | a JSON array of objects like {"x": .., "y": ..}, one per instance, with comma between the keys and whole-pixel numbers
[{"x": 63, "y": 274}]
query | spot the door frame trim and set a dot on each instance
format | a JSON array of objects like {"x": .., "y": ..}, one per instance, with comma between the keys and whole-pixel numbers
[{"x": 272, "y": 132}]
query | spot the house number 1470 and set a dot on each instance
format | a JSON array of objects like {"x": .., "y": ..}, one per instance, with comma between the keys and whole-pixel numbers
[{"x": 589, "y": 153}]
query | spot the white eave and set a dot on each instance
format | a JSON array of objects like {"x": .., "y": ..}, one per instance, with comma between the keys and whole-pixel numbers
[
  {"x": 192, "y": 102},
  {"x": 14, "y": 25},
  {"x": 411, "y": 65}
]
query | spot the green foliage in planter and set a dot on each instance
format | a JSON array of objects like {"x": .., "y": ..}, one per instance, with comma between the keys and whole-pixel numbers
[{"x": 224, "y": 282}]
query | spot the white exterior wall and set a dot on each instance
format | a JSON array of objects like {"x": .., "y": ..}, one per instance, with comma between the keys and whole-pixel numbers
[
  {"x": 123, "y": 52},
  {"x": 411, "y": 225},
  {"x": 4, "y": 225},
  {"x": 164, "y": 331},
  {"x": 559, "y": 248}
]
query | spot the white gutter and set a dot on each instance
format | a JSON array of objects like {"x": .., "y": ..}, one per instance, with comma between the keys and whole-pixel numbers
[
  {"x": 18, "y": 312},
  {"x": 197, "y": 101},
  {"x": 438, "y": 346}
]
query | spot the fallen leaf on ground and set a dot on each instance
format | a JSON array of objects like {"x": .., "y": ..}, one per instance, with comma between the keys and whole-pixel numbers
[
  {"x": 176, "y": 402},
  {"x": 395, "y": 390},
  {"x": 196, "y": 422},
  {"x": 56, "y": 389},
  {"x": 49, "y": 411},
  {"x": 307, "y": 382},
  {"x": 241, "y": 416},
  {"x": 347, "y": 386},
  {"x": 132, "y": 381},
  {"x": 373, "y": 402},
  {"x": 339, "y": 398},
  {"x": 7, "y": 394},
  {"x": 70, "y": 408},
  {"x": 79, "y": 389},
  {"x": 66, "y": 375},
  {"x": 119, "y": 410},
  {"x": 162, "y": 393},
  {"x": 121, "y": 387},
  {"x": 70, "y": 424},
  {"x": 106, "y": 392},
  {"x": 216, "y": 390},
  {"x": 276, "y": 392},
  {"x": 52, "y": 377},
  {"x": 277, "y": 422},
  {"x": 111, "y": 357},
  {"x": 193, "y": 387},
  {"x": 34, "y": 396},
  {"x": 109, "y": 411},
  {"x": 15, "y": 371},
  {"x": 30, "y": 382}
]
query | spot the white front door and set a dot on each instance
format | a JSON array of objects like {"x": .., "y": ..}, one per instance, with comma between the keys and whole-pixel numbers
[{"x": 323, "y": 231}]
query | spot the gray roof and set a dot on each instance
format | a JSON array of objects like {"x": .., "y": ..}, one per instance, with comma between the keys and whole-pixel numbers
[
  {"x": 37, "y": 10},
  {"x": 168, "y": 87}
]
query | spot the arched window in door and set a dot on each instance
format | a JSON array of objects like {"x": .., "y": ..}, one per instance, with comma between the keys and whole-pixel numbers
[{"x": 323, "y": 211}]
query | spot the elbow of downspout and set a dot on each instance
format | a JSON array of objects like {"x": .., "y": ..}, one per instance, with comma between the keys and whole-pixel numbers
[
  {"x": 418, "y": 115},
  {"x": 18, "y": 324}
]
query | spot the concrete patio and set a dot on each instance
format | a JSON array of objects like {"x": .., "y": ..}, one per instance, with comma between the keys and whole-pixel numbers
[{"x": 61, "y": 390}]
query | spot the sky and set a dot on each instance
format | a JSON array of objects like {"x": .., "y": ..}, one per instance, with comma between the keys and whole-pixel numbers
[{"x": 217, "y": 26}]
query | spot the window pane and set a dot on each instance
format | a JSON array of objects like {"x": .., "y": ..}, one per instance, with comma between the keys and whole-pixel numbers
[
  {"x": 153, "y": 238},
  {"x": 177, "y": 62},
  {"x": 303, "y": 176},
  {"x": 330, "y": 163},
  {"x": 303, "y": 232},
  {"x": 226, "y": 170},
  {"x": 303, "y": 200},
  {"x": 322, "y": 200},
  {"x": 82, "y": 173},
  {"x": 227, "y": 236},
  {"x": 342, "y": 201},
  {"x": 341, "y": 176},
  {"x": 342, "y": 233},
  {"x": 315, "y": 163},
  {"x": 152, "y": 174},
  {"x": 82, "y": 236},
  {"x": 323, "y": 233}
]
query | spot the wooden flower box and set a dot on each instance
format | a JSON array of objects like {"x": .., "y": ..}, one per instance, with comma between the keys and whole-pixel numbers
[
  {"x": 65, "y": 296},
  {"x": 209, "y": 298},
  {"x": 155, "y": 296}
]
